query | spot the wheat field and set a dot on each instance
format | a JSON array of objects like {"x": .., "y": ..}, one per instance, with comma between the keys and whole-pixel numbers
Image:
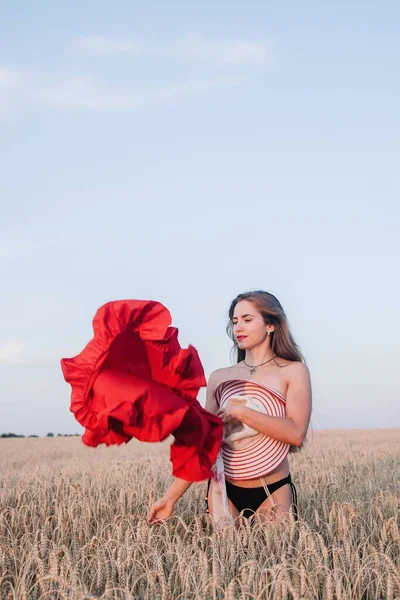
[{"x": 73, "y": 525}]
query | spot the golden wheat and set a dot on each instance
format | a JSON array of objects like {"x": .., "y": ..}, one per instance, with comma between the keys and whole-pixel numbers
[{"x": 73, "y": 526}]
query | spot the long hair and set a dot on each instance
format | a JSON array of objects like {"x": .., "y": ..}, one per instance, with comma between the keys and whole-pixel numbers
[{"x": 281, "y": 341}]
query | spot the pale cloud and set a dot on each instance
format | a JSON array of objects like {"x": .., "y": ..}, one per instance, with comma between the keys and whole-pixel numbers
[
  {"x": 10, "y": 249},
  {"x": 20, "y": 90},
  {"x": 12, "y": 82},
  {"x": 193, "y": 46},
  {"x": 9, "y": 78},
  {"x": 98, "y": 44},
  {"x": 11, "y": 351},
  {"x": 17, "y": 245},
  {"x": 88, "y": 94}
]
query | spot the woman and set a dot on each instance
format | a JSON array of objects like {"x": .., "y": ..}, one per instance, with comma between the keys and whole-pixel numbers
[{"x": 268, "y": 360}]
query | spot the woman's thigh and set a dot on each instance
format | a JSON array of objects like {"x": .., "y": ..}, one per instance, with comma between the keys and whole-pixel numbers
[
  {"x": 277, "y": 504},
  {"x": 232, "y": 508}
]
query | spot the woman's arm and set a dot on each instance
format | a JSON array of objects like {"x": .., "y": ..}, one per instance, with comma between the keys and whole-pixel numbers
[
  {"x": 213, "y": 381},
  {"x": 292, "y": 428},
  {"x": 163, "y": 508}
]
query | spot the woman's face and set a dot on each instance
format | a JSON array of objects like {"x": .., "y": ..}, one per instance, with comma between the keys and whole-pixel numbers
[{"x": 249, "y": 328}]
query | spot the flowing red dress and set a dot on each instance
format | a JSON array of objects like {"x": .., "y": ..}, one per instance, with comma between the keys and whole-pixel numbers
[{"x": 134, "y": 380}]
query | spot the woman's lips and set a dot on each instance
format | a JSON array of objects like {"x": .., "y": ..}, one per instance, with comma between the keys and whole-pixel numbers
[{"x": 241, "y": 337}]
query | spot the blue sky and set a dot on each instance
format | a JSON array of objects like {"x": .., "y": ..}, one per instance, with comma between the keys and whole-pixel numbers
[{"x": 187, "y": 152}]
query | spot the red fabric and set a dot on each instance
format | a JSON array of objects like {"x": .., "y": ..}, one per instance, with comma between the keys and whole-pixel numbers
[{"x": 134, "y": 380}]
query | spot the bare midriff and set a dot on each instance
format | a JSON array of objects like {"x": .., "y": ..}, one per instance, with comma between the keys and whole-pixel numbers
[{"x": 279, "y": 473}]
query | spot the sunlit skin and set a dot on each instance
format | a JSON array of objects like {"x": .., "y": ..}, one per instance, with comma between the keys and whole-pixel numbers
[{"x": 290, "y": 378}]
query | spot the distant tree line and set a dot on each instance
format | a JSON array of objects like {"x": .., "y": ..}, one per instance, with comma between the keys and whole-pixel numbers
[{"x": 16, "y": 435}]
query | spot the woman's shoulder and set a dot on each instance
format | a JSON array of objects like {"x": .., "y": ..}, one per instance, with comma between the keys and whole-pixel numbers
[
  {"x": 297, "y": 366},
  {"x": 220, "y": 375},
  {"x": 296, "y": 371},
  {"x": 292, "y": 365}
]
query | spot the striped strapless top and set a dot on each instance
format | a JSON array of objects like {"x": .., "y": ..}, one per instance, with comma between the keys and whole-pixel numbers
[{"x": 263, "y": 454}]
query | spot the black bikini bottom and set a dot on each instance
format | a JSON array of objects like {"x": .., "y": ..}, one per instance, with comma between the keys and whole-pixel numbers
[{"x": 250, "y": 499}]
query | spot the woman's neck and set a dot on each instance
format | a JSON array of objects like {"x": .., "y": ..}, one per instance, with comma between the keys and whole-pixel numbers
[{"x": 258, "y": 355}]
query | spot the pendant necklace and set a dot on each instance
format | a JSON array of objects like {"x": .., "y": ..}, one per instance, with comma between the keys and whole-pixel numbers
[{"x": 254, "y": 367}]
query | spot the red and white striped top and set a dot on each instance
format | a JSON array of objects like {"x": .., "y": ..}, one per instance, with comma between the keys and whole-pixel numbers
[{"x": 263, "y": 454}]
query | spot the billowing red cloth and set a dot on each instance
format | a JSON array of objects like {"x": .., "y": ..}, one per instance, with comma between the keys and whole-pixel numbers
[{"x": 134, "y": 380}]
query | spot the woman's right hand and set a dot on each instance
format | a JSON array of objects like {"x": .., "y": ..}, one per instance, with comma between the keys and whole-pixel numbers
[{"x": 160, "y": 511}]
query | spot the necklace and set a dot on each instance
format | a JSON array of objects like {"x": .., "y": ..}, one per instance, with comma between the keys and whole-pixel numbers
[{"x": 254, "y": 367}]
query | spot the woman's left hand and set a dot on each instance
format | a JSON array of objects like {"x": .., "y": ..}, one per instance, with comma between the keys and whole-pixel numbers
[{"x": 234, "y": 411}]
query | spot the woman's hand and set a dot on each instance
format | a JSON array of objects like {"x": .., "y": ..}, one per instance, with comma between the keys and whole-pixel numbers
[
  {"x": 160, "y": 511},
  {"x": 235, "y": 410}
]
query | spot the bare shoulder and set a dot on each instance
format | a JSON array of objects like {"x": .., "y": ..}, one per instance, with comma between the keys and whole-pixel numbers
[
  {"x": 218, "y": 376},
  {"x": 296, "y": 366},
  {"x": 297, "y": 371}
]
